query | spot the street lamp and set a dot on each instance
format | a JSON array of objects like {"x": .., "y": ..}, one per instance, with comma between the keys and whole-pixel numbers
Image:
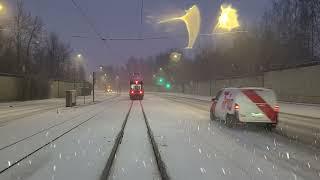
[
  {"x": 77, "y": 60},
  {"x": 175, "y": 56},
  {"x": 1, "y": 7}
]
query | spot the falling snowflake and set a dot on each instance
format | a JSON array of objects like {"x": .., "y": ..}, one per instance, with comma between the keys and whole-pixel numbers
[
  {"x": 295, "y": 176},
  {"x": 203, "y": 170},
  {"x": 224, "y": 172}
]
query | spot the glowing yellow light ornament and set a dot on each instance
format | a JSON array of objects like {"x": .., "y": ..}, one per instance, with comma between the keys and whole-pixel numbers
[
  {"x": 228, "y": 19},
  {"x": 192, "y": 20}
]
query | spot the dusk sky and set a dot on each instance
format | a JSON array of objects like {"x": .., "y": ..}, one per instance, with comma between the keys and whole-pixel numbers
[{"x": 121, "y": 18}]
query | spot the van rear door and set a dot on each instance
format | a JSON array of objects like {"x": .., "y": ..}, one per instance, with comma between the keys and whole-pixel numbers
[{"x": 257, "y": 105}]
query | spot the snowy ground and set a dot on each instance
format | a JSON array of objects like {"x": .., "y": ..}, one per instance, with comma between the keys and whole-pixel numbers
[
  {"x": 11, "y": 111},
  {"x": 135, "y": 159},
  {"x": 79, "y": 154},
  {"x": 76, "y": 143},
  {"x": 194, "y": 147}
]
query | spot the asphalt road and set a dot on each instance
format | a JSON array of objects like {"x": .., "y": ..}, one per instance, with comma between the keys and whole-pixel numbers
[{"x": 77, "y": 143}]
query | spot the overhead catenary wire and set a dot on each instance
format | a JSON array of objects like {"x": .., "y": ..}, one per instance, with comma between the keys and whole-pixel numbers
[
  {"x": 87, "y": 19},
  {"x": 91, "y": 24},
  {"x": 221, "y": 33},
  {"x": 127, "y": 39}
]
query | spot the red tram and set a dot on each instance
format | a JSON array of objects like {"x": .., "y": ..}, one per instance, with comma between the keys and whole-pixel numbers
[{"x": 136, "y": 91}]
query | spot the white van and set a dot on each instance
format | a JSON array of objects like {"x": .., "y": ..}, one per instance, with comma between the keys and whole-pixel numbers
[{"x": 245, "y": 105}]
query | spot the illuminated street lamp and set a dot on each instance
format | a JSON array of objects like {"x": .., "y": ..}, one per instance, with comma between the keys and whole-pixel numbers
[
  {"x": 175, "y": 56},
  {"x": 79, "y": 55},
  {"x": 160, "y": 69},
  {"x": 1, "y": 7}
]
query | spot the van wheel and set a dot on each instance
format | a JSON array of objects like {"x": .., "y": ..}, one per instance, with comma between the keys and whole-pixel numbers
[
  {"x": 230, "y": 120},
  {"x": 212, "y": 116},
  {"x": 270, "y": 127}
]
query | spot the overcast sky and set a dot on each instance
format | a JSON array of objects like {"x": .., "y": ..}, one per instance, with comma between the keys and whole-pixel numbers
[{"x": 121, "y": 18}]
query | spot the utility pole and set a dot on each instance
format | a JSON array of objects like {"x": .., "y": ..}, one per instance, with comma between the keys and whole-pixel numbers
[
  {"x": 93, "y": 84},
  {"x": 74, "y": 78},
  {"x": 84, "y": 92}
]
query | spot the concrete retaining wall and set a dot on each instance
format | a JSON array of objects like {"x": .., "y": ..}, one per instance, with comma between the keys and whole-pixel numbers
[
  {"x": 58, "y": 88},
  {"x": 11, "y": 88},
  {"x": 298, "y": 85},
  {"x": 293, "y": 85},
  {"x": 254, "y": 81}
]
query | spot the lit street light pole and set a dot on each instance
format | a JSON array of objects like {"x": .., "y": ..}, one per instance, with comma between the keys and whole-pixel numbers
[{"x": 77, "y": 60}]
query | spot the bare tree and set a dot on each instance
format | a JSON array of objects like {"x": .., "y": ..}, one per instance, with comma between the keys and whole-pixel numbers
[{"x": 34, "y": 30}]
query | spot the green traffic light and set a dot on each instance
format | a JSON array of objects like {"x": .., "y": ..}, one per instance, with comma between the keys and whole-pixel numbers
[
  {"x": 168, "y": 85},
  {"x": 161, "y": 80}
]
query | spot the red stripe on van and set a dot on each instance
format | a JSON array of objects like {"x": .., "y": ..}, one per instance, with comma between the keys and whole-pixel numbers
[{"x": 264, "y": 107}]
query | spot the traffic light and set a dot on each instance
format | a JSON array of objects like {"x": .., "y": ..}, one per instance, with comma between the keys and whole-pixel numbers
[
  {"x": 161, "y": 80},
  {"x": 168, "y": 85}
]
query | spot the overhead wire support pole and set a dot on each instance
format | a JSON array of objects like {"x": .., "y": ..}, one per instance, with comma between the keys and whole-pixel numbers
[
  {"x": 93, "y": 84},
  {"x": 141, "y": 18}
]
